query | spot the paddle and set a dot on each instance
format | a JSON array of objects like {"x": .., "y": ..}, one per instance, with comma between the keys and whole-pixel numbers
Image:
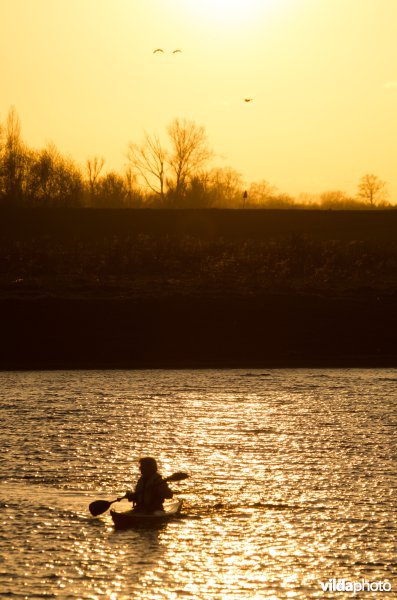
[{"x": 100, "y": 506}]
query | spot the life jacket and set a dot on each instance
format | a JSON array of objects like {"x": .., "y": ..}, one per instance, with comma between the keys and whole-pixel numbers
[{"x": 150, "y": 493}]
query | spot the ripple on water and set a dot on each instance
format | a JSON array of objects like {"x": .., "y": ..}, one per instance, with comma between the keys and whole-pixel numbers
[{"x": 291, "y": 482}]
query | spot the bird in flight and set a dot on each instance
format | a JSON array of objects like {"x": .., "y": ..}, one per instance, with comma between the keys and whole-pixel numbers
[
  {"x": 248, "y": 99},
  {"x": 176, "y": 51},
  {"x": 158, "y": 50}
]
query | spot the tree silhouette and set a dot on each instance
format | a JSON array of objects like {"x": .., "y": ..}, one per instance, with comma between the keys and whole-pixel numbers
[
  {"x": 53, "y": 180},
  {"x": 13, "y": 159},
  {"x": 372, "y": 189},
  {"x": 227, "y": 186},
  {"x": 94, "y": 167},
  {"x": 134, "y": 197},
  {"x": 112, "y": 191},
  {"x": 190, "y": 153},
  {"x": 147, "y": 161},
  {"x": 261, "y": 192}
]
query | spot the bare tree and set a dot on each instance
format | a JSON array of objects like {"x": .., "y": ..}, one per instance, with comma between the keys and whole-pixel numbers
[
  {"x": 190, "y": 152},
  {"x": 148, "y": 162},
  {"x": 111, "y": 191},
  {"x": 227, "y": 187},
  {"x": 13, "y": 129},
  {"x": 261, "y": 193},
  {"x": 372, "y": 189},
  {"x": 40, "y": 175},
  {"x": 134, "y": 196},
  {"x": 94, "y": 167},
  {"x": 1, "y": 139},
  {"x": 53, "y": 180},
  {"x": 13, "y": 158},
  {"x": 199, "y": 192},
  {"x": 339, "y": 200}
]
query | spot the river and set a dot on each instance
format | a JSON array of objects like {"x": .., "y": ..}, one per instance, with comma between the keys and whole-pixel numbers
[{"x": 292, "y": 483}]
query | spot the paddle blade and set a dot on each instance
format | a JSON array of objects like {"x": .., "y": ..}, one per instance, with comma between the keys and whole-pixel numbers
[
  {"x": 98, "y": 507},
  {"x": 180, "y": 476}
]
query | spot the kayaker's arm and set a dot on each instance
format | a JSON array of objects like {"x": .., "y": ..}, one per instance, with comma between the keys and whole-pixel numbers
[
  {"x": 131, "y": 496},
  {"x": 165, "y": 491}
]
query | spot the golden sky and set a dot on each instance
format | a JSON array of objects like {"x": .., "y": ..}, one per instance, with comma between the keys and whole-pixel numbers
[{"x": 322, "y": 75}]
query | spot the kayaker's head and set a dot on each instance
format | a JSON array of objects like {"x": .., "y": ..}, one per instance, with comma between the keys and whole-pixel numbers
[{"x": 148, "y": 466}]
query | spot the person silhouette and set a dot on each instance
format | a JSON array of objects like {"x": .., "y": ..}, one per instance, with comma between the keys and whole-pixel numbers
[
  {"x": 151, "y": 489},
  {"x": 245, "y": 196}
]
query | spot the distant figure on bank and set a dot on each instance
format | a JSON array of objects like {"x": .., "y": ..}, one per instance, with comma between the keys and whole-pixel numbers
[
  {"x": 245, "y": 196},
  {"x": 151, "y": 490}
]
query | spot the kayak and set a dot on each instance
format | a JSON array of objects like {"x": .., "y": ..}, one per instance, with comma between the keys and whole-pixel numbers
[{"x": 132, "y": 518}]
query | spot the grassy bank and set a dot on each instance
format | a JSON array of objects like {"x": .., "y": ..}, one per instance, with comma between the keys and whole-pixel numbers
[
  {"x": 135, "y": 253},
  {"x": 84, "y": 224},
  {"x": 197, "y": 288}
]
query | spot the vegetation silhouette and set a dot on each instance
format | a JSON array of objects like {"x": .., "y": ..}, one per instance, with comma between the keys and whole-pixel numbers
[
  {"x": 310, "y": 280},
  {"x": 215, "y": 253},
  {"x": 129, "y": 289},
  {"x": 172, "y": 174}
]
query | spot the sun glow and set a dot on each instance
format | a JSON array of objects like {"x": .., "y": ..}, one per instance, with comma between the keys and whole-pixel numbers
[{"x": 229, "y": 12}]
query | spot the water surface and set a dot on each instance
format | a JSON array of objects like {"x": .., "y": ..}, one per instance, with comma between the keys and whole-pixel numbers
[{"x": 292, "y": 482}]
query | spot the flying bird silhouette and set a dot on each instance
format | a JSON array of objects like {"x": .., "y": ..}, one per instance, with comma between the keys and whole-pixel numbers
[
  {"x": 176, "y": 51},
  {"x": 248, "y": 99},
  {"x": 158, "y": 50}
]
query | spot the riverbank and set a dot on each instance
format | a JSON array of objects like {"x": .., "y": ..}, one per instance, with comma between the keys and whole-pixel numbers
[
  {"x": 194, "y": 289},
  {"x": 273, "y": 330},
  {"x": 91, "y": 224}
]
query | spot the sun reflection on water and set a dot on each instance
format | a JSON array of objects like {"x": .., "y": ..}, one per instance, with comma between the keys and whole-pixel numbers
[{"x": 283, "y": 491}]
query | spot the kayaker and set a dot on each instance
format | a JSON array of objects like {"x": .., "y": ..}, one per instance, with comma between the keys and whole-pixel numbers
[{"x": 151, "y": 490}]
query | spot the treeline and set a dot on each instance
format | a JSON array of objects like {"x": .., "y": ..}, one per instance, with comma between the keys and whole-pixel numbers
[{"x": 175, "y": 174}]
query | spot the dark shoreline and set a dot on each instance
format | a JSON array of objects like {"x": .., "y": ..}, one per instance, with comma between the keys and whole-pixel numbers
[
  {"x": 234, "y": 224},
  {"x": 132, "y": 289},
  {"x": 277, "y": 330}
]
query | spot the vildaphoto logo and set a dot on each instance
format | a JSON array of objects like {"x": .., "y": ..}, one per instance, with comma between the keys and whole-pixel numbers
[{"x": 344, "y": 585}]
